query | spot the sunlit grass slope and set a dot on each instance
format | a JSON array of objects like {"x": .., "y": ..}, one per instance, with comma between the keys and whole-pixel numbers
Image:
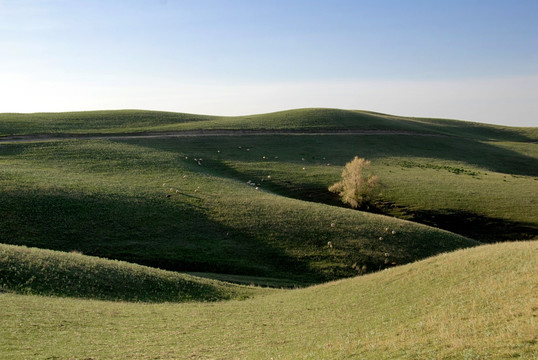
[
  {"x": 92, "y": 121},
  {"x": 106, "y": 198},
  {"x": 122, "y": 121},
  {"x": 485, "y": 190},
  {"x": 45, "y": 272},
  {"x": 477, "y": 303}
]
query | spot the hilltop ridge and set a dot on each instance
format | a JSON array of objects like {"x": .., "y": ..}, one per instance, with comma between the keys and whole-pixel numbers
[{"x": 136, "y": 121}]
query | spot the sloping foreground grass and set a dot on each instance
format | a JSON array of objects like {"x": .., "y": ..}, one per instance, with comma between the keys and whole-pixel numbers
[
  {"x": 478, "y": 303},
  {"x": 36, "y": 271}
]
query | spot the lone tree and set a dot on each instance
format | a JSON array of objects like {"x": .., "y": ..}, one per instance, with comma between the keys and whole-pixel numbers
[{"x": 358, "y": 187}]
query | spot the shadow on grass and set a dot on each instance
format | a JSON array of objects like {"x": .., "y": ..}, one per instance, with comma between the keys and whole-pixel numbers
[
  {"x": 475, "y": 226},
  {"x": 160, "y": 232}
]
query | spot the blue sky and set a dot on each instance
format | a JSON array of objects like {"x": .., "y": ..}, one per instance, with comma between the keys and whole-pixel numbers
[{"x": 470, "y": 60}]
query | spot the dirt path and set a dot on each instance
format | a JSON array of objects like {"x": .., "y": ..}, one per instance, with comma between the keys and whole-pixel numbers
[{"x": 197, "y": 133}]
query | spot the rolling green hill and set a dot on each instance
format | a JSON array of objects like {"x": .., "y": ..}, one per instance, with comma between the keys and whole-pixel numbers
[
  {"x": 475, "y": 303},
  {"x": 133, "y": 121},
  {"x": 105, "y": 197},
  {"x": 53, "y": 273},
  {"x": 122, "y": 218}
]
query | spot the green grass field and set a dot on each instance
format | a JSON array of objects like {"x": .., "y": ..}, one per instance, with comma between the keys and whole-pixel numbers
[
  {"x": 95, "y": 226},
  {"x": 54, "y": 273},
  {"x": 133, "y": 121},
  {"x": 106, "y": 198},
  {"x": 471, "y": 304}
]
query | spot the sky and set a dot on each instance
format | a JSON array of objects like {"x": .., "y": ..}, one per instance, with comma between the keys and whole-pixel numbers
[{"x": 474, "y": 60}]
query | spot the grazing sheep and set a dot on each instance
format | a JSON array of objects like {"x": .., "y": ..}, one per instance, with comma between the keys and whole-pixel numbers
[
  {"x": 380, "y": 238},
  {"x": 330, "y": 244},
  {"x": 333, "y": 224},
  {"x": 393, "y": 232}
]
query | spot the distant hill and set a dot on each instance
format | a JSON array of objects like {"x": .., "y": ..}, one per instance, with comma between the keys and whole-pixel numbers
[{"x": 132, "y": 121}]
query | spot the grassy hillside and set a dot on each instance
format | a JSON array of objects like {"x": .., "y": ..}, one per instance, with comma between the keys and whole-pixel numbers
[
  {"x": 129, "y": 121},
  {"x": 107, "y": 198},
  {"x": 474, "y": 304},
  {"x": 482, "y": 190},
  {"x": 92, "y": 121},
  {"x": 255, "y": 209},
  {"x": 36, "y": 271}
]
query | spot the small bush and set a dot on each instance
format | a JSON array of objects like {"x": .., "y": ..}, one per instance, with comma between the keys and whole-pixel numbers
[{"x": 358, "y": 187}]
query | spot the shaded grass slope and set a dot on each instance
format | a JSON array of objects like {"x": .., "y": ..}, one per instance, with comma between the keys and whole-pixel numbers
[
  {"x": 474, "y": 304},
  {"x": 45, "y": 272}
]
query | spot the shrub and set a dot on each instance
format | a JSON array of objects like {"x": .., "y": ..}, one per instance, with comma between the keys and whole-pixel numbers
[{"x": 358, "y": 187}]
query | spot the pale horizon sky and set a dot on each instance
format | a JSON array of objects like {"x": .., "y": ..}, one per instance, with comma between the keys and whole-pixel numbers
[{"x": 471, "y": 60}]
